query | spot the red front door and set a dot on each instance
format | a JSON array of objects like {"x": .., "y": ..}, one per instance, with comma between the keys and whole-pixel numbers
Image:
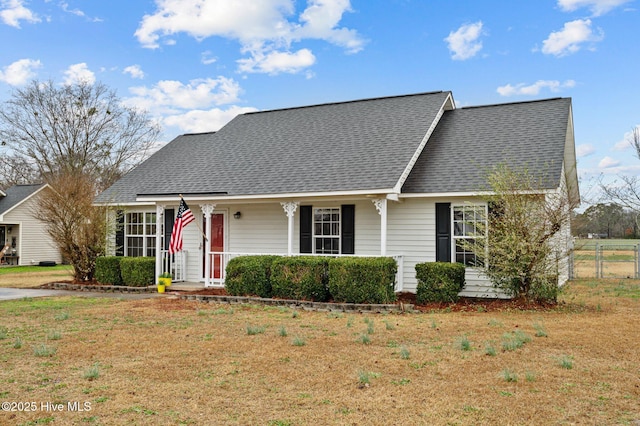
[{"x": 216, "y": 244}]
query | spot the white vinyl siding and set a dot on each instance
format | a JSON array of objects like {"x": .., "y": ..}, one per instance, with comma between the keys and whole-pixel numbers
[{"x": 33, "y": 243}]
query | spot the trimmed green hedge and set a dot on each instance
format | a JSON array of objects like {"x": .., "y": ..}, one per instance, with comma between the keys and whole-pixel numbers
[
  {"x": 301, "y": 278},
  {"x": 108, "y": 270},
  {"x": 439, "y": 281},
  {"x": 362, "y": 279},
  {"x": 249, "y": 275},
  {"x": 138, "y": 271}
]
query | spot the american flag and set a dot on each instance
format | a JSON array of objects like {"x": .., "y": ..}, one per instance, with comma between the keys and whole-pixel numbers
[{"x": 183, "y": 218}]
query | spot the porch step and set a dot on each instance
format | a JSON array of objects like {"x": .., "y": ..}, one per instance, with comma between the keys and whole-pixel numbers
[{"x": 186, "y": 286}]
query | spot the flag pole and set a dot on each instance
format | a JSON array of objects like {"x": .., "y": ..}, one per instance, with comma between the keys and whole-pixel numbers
[{"x": 196, "y": 222}]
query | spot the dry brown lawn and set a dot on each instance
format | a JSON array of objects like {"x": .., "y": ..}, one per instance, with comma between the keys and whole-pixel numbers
[
  {"x": 36, "y": 278},
  {"x": 166, "y": 361}
]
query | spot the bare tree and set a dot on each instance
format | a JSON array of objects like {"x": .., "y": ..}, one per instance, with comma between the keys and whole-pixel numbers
[
  {"x": 81, "y": 128},
  {"x": 75, "y": 224},
  {"x": 625, "y": 190},
  {"x": 16, "y": 170}
]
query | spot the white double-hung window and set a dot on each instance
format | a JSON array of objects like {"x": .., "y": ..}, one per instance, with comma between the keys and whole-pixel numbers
[
  {"x": 140, "y": 234},
  {"x": 469, "y": 224},
  {"x": 326, "y": 230}
]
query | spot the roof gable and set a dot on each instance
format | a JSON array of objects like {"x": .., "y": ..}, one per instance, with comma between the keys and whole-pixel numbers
[
  {"x": 469, "y": 142},
  {"x": 348, "y": 146},
  {"x": 17, "y": 195}
]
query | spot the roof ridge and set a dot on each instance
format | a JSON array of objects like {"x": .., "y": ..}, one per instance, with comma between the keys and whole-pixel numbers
[
  {"x": 513, "y": 103},
  {"x": 199, "y": 133},
  {"x": 348, "y": 102}
]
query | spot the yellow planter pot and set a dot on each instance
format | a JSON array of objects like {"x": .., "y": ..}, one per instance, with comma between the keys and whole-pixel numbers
[
  {"x": 161, "y": 288},
  {"x": 165, "y": 281}
]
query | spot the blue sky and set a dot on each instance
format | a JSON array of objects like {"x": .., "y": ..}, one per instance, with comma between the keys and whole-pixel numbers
[{"x": 195, "y": 64}]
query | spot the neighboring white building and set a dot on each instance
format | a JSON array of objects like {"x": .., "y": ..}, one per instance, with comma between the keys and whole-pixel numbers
[
  {"x": 395, "y": 176},
  {"x": 21, "y": 232}
]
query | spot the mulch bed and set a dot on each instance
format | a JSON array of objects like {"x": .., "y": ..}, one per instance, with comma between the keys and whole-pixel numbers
[{"x": 464, "y": 304}]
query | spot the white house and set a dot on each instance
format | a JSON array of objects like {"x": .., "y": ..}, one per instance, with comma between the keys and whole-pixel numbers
[
  {"x": 392, "y": 176},
  {"x": 22, "y": 235}
]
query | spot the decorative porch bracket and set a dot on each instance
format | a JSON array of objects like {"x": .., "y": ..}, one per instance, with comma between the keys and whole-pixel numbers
[
  {"x": 207, "y": 211},
  {"x": 159, "y": 234},
  {"x": 290, "y": 208},
  {"x": 381, "y": 206}
]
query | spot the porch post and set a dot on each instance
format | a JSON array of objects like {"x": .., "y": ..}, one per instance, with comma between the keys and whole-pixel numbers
[
  {"x": 381, "y": 206},
  {"x": 159, "y": 234},
  {"x": 290, "y": 210},
  {"x": 207, "y": 210}
]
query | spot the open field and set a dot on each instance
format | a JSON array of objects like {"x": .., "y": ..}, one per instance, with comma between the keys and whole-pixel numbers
[
  {"x": 33, "y": 276},
  {"x": 168, "y": 361},
  {"x": 618, "y": 258}
]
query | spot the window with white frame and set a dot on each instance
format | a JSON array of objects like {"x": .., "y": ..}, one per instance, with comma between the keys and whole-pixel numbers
[
  {"x": 326, "y": 230},
  {"x": 140, "y": 234},
  {"x": 469, "y": 225}
]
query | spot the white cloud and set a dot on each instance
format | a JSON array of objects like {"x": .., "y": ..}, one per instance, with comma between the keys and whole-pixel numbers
[
  {"x": 198, "y": 121},
  {"x": 264, "y": 29},
  {"x": 627, "y": 140},
  {"x": 584, "y": 150},
  {"x": 321, "y": 18},
  {"x": 14, "y": 11},
  {"x": 170, "y": 96},
  {"x": 608, "y": 162},
  {"x": 19, "y": 72},
  {"x": 134, "y": 71},
  {"x": 597, "y": 7},
  {"x": 65, "y": 7},
  {"x": 79, "y": 73},
  {"x": 464, "y": 42},
  {"x": 570, "y": 38},
  {"x": 207, "y": 57},
  {"x": 535, "y": 88},
  {"x": 277, "y": 62}
]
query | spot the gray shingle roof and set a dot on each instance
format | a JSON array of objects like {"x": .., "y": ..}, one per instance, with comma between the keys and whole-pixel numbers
[
  {"x": 468, "y": 142},
  {"x": 15, "y": 195},
  {"x": 348, "y": 146},
  {"x": 358, "y": 145}
]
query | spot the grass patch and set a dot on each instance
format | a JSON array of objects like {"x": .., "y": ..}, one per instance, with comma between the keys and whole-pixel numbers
[
  {"x": 43, "y": 350},
  {"x": 252, "y": 330}
]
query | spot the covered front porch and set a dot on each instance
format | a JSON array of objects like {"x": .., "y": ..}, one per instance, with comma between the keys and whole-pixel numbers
[{"x": 224, "y": 231}]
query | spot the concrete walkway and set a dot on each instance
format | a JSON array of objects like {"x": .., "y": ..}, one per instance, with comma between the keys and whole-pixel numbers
[{"x": 21, "y": 293}]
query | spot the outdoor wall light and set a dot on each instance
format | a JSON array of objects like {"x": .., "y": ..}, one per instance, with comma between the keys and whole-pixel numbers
[
  {"x": 237, "y": 215},
  {"x": 9, "y": 229}
]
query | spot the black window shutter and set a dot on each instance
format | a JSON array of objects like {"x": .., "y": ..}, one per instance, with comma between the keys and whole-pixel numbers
[
  {"x": 119, "y": 232},
  {"x": 306, "y": 229},
  {"x": 348, "y": 229},
  {"x": 443, "y": 232},
  {"x": 169, "y": 217}
]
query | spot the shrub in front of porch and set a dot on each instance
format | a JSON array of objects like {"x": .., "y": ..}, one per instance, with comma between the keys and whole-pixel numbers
[
  {"x": 362, "y": 279},
  {"x": 108, "y": 270},
  {"x": 138, "y": 271},
  {"x": 301, "y": 278},
  {"x": 249, "y": 275},
  {"x": 439, "y": 281}
]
